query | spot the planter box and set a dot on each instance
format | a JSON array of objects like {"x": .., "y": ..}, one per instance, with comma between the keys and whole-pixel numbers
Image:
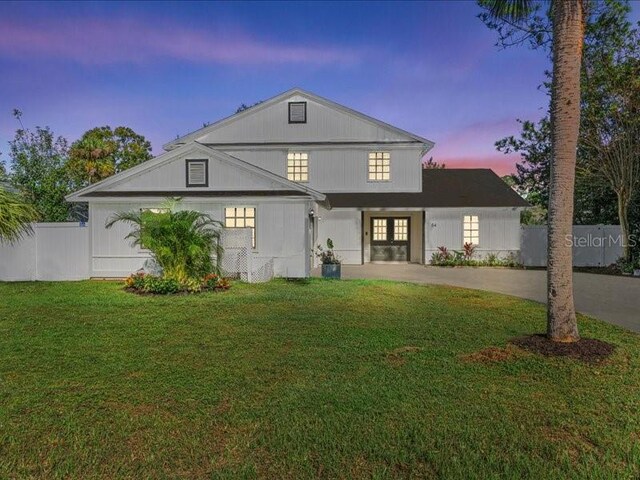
[{"x": 331, "y": 271}]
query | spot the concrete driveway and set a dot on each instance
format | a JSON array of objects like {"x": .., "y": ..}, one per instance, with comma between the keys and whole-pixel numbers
[{"x": 613, "y": 299}]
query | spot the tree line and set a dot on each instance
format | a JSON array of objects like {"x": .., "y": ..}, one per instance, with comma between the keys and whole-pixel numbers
[
  {"x": 607, "y": 182},
  {"x": 44, "y": 168}
]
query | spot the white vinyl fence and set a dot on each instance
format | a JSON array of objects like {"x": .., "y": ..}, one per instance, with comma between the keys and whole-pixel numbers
[
  {"x": 593, "y": 245},
  {"x": 55, "y": 251}
]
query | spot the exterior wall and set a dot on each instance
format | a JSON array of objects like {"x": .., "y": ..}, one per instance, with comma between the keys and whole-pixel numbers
[
  {"x": 499, "y": 230},
  {"x": 55, "y": 251},
  {"x": 324, "y": 124},
  {"x": 172, "y": 176},
  {"x": 342, "y": 168},
  {"x": 348, "y": 232},
  {"x": 593, "y": 246},
  {"x": 415, "y": 234},
  {"x": 281, "y": 234},
  {"x": 343, "y": 227}
]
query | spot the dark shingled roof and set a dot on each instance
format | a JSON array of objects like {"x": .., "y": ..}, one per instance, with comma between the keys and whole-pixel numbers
[{"x": 447, "y": 187}]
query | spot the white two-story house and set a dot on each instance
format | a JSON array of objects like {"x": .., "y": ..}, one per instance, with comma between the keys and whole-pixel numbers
[{"x": 298, "y": 169}]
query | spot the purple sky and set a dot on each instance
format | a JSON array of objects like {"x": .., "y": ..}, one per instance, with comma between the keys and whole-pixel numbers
[{"x": 165, "y": 68}]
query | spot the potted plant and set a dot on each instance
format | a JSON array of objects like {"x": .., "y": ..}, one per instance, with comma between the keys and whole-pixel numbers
[{"x": 330, "y": 263}]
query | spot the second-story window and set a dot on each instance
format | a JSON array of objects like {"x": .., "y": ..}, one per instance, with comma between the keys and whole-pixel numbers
[
  {"x": 379, "y": 167},
  {"x": 298, "y": 166}
]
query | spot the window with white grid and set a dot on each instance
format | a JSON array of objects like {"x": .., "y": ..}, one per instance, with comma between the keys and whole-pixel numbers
[
  {"x": 298, "y": 166},
  {"x": 241, "y": 217},
  {"x": 379, "y": 229},
  {"x": 379, "y": 167},
  {"x": 471, "y": 229},
  {"x": 401, "y": 229}
]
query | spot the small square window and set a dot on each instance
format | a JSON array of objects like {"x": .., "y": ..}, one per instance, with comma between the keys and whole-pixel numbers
[
  {"x": 197, "y": 173},
  {"x": 297, "y": 112},
  {"x": 298, "y": 166},
  {"x": 379, "y": 167}
]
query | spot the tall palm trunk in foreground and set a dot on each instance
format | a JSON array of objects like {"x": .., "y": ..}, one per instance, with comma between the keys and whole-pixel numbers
[{"x": 567, "y": 17}]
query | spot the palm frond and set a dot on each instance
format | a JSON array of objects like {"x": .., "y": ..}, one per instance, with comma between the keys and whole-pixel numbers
[
  {"x": 16, "y": 217},
  {"x": 513, "y": 10}
]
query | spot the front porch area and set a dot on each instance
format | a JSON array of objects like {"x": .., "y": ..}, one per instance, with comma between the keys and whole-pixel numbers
[{"x": 373, "y": 235}]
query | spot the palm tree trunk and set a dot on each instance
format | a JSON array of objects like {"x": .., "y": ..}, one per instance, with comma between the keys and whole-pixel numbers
[{"x": 568, "y": 34}]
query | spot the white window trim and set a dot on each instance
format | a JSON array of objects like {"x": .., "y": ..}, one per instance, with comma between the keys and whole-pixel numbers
[
  {"x": 205, "y": 162},
  {"x": 369, "y": 180},
  {"x": 464, "y": 230},
  {"x": 255, "y": 222},
  {"x": 293, "y": 152}
]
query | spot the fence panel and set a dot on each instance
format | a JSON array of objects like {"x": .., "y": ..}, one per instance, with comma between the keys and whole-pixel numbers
[
  {"x": 55, "y": 251},
  {"x": 593, "y": 245}
]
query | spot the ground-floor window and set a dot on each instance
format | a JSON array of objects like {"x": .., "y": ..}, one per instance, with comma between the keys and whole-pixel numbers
[
  {"x": 471, "y": 229},
  {"x": 241, "y": 217}
]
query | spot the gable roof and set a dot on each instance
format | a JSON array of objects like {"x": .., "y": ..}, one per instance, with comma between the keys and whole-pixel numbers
[
  {"x": 447, "y": 187},
  {"x": 193, "y": 147},
  {"x": 411, "y": 137}
]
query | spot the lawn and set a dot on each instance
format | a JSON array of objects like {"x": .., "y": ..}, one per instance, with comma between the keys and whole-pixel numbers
[{"x": 350, "y": 379}]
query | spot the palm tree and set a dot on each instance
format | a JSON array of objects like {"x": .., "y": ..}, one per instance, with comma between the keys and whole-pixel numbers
[
  {"x": 567, "y": 19},
  {"x": 16, "y": 217},
  {"x": 181, "y": 241}
]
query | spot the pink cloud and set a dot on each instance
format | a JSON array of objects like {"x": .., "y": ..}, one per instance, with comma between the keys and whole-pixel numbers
[
  {"x": 98, "y": 42},
  {"x": 473, "y": 146}
]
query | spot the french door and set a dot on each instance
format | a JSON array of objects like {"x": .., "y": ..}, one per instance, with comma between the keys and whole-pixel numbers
[{"x": 390, "y": 239}]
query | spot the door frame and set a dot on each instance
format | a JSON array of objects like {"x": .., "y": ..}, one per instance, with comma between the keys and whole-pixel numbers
[{"x": 390, "y": 230}]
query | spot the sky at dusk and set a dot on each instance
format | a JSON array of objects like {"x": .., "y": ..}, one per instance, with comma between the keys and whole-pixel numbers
[{"x": 166, "y": 68}]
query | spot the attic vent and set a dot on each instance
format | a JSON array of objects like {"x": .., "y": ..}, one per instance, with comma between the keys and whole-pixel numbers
[
  {"x": 297, "y": 112},
  {"x": 198, "y": 173}
]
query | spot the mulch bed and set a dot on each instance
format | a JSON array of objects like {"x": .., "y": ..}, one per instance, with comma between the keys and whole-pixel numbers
[{"x": 587, "y": 350}]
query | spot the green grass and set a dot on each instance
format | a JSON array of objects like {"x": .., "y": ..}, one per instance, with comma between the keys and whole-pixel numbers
[{"x": 300, "y": 380}]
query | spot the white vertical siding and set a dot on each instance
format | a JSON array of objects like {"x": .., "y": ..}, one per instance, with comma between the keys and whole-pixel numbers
[
  {"x": 324, "y": 124},
  {"x": 281, "y": 234},
  {"x": 499, "y": 230},
  {"x": 343, "y": 227},
  {"x": 343, "y": 169}
]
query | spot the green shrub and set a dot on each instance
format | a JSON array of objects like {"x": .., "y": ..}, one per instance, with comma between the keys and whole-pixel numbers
[
  {"x": 444, "y": 258},
  {"x": 145, "y": 283},
  {"x": 160, "y": 285},
  {"x": 182, "y": 242}
]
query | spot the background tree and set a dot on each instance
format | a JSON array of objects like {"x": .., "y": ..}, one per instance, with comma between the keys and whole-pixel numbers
[
  {"x": 37, "y": 170},
  {"x": 616, "y": 147},
  {"x": 610, "y": 54},
  {"x": 432, "y": 164},
  {"x": 16, "y": 217},
  {"x": 567, "y": 18},
  {"x": 3, "y": 172},
  {"x": 244, "y": 106},
  {"x": 102, "y": 152}
]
